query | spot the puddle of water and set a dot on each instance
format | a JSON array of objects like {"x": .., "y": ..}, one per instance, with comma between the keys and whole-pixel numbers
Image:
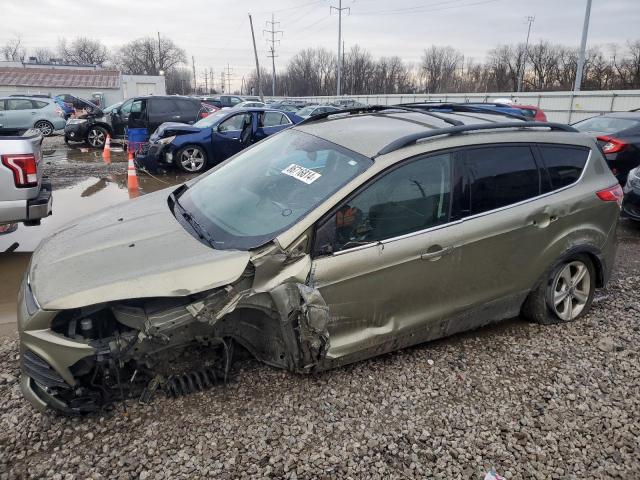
[
  {"x": 76, "y": 193},
  {"x": 88, "y": 195}
]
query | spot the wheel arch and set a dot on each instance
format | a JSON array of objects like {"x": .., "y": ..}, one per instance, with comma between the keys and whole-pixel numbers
[{"x": 106, "y": 126}]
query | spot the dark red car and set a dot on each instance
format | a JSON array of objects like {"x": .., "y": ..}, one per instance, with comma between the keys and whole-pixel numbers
[{"x": 530, "y": 111}]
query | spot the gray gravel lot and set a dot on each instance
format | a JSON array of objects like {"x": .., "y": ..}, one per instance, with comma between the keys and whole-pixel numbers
[{"x": 559, "y": 402}]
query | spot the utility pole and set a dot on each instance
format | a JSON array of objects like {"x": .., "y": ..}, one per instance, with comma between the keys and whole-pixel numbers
[
  {"x": 222, "y": 82},
  {"x": 159, "y": 56},
  {"x": 526, "y": 53},
  {"x": 206, "y": 83},
  {"x": 255, "y": 52},
  {"x": 228, "y": 78},
  {"x": 195, "y": 80},
  {"x": 211, "y": 78},
  {"x": 339, "y": 8},
  {"x": 583, "y": 48},
  {"x": 272, "y": 51}
]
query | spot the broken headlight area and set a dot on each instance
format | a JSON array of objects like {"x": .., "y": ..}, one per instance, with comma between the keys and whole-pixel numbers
[
  {"x": 140, "y": 347},
  {"x": 187, "y": 344}
]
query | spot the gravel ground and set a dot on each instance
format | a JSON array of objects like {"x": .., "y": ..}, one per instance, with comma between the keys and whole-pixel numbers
[{"x": 560, "y": 402}]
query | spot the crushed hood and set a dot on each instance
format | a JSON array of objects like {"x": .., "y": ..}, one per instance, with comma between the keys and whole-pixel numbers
[
  {"x": 135, "y": 249},
  {"x": 172, "y": 128}
]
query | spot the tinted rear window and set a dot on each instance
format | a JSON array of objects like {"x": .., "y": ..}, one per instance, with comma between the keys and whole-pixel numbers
[
  {"x": 162, "y": 105},
  {"x": 499, "y": 176},
  {"x": 188, "y": 107},
  {"x": 564, "y": 164}
]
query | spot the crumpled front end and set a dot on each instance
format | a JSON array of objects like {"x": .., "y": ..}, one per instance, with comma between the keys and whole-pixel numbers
[{"x": 83, "y": 359}]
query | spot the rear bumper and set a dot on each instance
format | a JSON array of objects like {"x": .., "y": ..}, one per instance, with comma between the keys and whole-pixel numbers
[
  {"x": 28, "y": 211},
  {"x": 41, "y": 206}
]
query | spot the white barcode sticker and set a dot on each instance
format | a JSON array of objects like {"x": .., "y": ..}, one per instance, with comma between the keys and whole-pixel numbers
[{"x": 303, "y": 174}]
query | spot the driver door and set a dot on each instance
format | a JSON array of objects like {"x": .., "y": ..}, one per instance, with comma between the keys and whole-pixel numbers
[
  {"x": 120, "y": 118},
  {"x": 385, "y": 261}
]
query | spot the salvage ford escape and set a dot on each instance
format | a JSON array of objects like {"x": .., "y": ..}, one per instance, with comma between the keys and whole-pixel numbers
[{"x": 344, "y": 237}]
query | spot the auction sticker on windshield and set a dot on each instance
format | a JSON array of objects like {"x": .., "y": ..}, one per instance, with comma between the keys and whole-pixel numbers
[{"x": 303, "y": 174}]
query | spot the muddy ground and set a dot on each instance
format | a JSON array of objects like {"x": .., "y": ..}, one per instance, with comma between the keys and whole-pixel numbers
[{"x": 535, "y": 402}]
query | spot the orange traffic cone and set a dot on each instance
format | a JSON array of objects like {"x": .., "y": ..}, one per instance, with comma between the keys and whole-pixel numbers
[
  {"x": 132, "y": 177},
  {"x": 106, "y": 153}
]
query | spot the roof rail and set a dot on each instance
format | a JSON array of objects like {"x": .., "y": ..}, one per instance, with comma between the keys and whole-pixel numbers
[
  {"x": 414, "y": 137},
  {"x": 462, "y": 107},
  {"x": 380, "y": 108}
]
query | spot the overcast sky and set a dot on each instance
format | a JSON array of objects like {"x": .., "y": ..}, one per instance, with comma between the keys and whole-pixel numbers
[{"x": 217, "y": 31}]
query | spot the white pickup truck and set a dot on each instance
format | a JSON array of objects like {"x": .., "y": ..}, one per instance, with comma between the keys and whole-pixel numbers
[{"x": 25, "y": 196}]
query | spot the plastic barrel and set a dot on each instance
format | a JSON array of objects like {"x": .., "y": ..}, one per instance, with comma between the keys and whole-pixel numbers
[{"x": 136, "y": 138}]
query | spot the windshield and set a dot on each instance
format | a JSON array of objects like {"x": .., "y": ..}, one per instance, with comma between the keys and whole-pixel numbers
[
  {"x": 261, "y": 192},
  {"x": 606, "y": 124},
  {"x": 209, "y": 120},
  {"x": 306, "y": 111},
  {"x": 110, "y": 108}
]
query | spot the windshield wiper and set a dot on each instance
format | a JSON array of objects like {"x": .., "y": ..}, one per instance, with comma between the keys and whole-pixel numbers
[{"x": 200, "y": 231}]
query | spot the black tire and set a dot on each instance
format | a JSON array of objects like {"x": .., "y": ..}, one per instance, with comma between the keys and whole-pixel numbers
[
  {"x": 539, "y": 305},
  {"x": 45, "y": 127},
  {"x": 198, "y": 156},
  {"x": 96, "y": 136}
]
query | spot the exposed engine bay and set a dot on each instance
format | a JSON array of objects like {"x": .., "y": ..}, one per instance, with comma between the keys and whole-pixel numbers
[{"x": 181, "y": 345}]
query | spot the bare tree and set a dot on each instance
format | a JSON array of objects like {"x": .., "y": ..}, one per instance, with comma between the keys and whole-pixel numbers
[
  {"x": 506, "y": 63},
  {"x": 545, "y": 59},
  {"x": 179, "y": 80},
  {"x": 145, "y": 56},
  {"x": 438, "y": 68},
  {"x": 13, "y": 50},
  {"x": 43, "y": 54},
  {"x": 628, "y": 68},
  {"x": 83, "y": 51}
]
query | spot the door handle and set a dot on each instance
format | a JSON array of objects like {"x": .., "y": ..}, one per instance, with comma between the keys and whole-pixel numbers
[{"x": 436, "y": 252}]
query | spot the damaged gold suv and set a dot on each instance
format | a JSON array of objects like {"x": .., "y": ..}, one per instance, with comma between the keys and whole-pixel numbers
[{"x": 347, "y": 236}]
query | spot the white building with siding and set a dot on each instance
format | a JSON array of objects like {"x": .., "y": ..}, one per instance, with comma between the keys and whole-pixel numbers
[{"x": 82, "y": 82}]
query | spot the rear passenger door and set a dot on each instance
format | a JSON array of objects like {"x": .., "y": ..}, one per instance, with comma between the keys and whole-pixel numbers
[
  {"x": 162, "y": 110},
  {"x": 385, "y": 260},
  {"x": 188, "y": 110},
  {"x": 504, "y": 229},
  {"x": 19, "y": 113},
  {"x": 270, "y": 123}
]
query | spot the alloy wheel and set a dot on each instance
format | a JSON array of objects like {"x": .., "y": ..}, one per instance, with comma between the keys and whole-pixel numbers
[
  {"x": 44, "y": 127},
  {"x": 192, "y": 159},
  {"x": 570, "y": 290},
  {"x": 96, "y": 137}
]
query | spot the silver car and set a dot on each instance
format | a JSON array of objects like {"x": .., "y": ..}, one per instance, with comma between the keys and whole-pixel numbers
[{"x": 23, "y": 113}]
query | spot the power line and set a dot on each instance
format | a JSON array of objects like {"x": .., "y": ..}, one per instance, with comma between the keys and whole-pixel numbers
[
  {"x": 425, "y": 8},
  {"x": 272, "y": 49}
]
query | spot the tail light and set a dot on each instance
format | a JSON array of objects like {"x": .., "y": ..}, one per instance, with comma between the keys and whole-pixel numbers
[
  {"x": 611, "y": 194},
  {"x": 612, "y": 144},
  {"x": 204, "y": 114},
  {"x": 24, "y": 168}
]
